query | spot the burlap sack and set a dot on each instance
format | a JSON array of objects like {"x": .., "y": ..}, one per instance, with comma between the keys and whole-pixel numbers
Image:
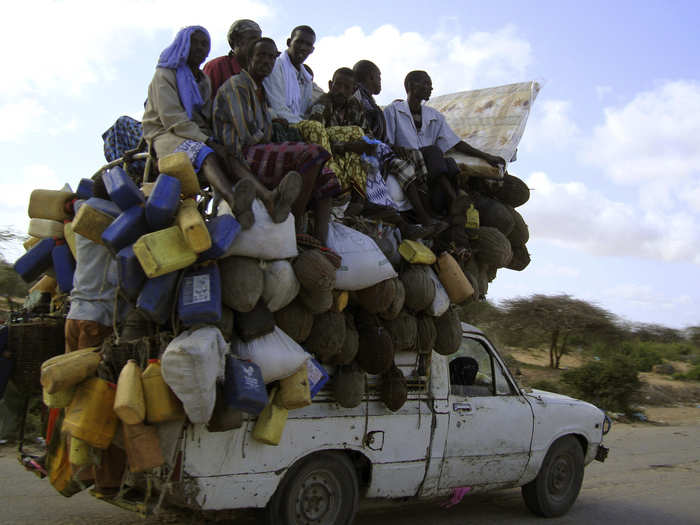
[
  {"x": 403, "y": 330},
  {"x": 492, "y": 247},
  {"x": 520, "y": 260},
  {"x": 295, "y": 320},
  {"x": 420, "y": 289},
  {"x": 351, "y": 343},
  {"x": 377, "y": 298},
  {"x": 521, "y": 233},
  {"x": 226, "y": 324},
  {"x": 397, "y": 304},
  {"x": 348, "y": 386},
  {"x": 241, "y": 282},
  {"x": 393, "y": 390},
  {"x": 449, "y": 332},
  {"x": 376, "y": 352},
  {"x": 426, "y": 334},
  {"x": 493, "y": 214},
  {"x": 317, "y": 301},
  {"x": 327, "y": 336},
  {"x": 513, "y": 191},
  {"x": 256, "y": 323},
  {"x": 314, "y": 271}
]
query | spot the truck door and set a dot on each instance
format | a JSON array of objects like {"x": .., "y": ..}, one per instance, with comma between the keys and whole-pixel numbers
[{"x": 490, "y": 423}]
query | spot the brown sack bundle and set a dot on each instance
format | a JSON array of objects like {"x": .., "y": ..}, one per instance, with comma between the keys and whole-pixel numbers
[
  {"x": 493, "y": 248},
  {"x": 449, "y": 332},
  {"x": 256, "y": 323},
  {"x": 520, "y": 260},
  {"x": 376, "y": 352},
  {"x": 327, "y": 336},
  {"x": 513, "y": 191},
  {"x": 393, "y": 390},
  {"x": 348, "y": 386},
  {"x": 521, "y": 233},
  {"x": 377, "y": 298},
  {"x": 317, "y": 301},
  {"x": 419, "y": 287},
  {"x": 241, "y": 282},
  {"x": 314, "y": 271},
  {"x": 397, "y": 304},
  {"x": 351, "y": 343},
  {"x": 295, "y": 320},
  {"x": 426, "y": 334},
  {"x": 403, "y": 330}
]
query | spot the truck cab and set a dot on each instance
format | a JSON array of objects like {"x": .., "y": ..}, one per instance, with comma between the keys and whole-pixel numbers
[{"x": 466, "y": 423}]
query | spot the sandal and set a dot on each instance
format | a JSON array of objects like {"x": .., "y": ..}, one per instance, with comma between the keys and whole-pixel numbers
[
  {"x": 243, "y": 195},
  {"x": 284, "y": 196}
]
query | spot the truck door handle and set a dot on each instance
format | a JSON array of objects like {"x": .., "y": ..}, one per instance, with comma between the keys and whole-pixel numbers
[{"x": 462, "y": 407}]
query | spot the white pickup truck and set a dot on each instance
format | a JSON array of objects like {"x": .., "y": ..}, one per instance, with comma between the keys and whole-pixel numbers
[{"x": 467, "y": 423}]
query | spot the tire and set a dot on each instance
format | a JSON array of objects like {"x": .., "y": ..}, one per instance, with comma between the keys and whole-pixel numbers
[
  {"x": 556, "y": 487},
  {"x": 322, "y": 490}
]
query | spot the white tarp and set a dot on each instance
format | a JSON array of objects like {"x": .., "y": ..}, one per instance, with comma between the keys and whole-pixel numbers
[{"x": 491, "y": 119}]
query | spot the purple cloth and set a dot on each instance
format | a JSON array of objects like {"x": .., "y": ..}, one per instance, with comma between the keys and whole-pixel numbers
[{"x": 175, "y": 57}]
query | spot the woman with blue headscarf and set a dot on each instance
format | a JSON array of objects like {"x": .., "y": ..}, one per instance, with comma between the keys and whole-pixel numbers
[{"x": 178, "y": 118}]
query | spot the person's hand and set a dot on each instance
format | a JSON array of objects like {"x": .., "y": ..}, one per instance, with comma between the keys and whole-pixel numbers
[
  {"x": 281, "y": 121},
  {"x": 128, "y": 155},
  {"x": 496, "y": 161}
]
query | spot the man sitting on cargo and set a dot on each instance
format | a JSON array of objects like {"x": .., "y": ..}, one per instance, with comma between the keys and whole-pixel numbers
[
  {"x": 406, "y": 166},
  {"x": 240, "y": 35},
  {"x": 178, "y": 118},
  {"x": 413, "y": 125},
  {"x": 243, "y": 124}
]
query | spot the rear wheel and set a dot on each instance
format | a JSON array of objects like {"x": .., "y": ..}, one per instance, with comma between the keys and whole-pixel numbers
[
  {"x": 556, "y": 487},
  {"x": 322, "y": 490}
]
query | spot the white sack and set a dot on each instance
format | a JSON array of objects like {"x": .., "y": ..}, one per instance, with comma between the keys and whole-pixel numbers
[
  {"x": 264, "y": 239},
  {"x": 280, "y": 284},
  {"x": 363, "y": 263},
  {"x": 277, "y": 354},
  {"x": 191, "y": 364},
  {"x": 442, "y": 301}
]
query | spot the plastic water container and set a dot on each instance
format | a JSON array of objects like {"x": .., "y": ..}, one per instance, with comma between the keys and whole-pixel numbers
[
  {"x": 79, "y": 452},
  {"x": 193, "y": 227},
  {"x": 156, "y": 297},
  {"x": 164, "y": 251},
  {"x": 50, "y": 204},
  {"x": 270, "y": 425},
  {"x": 69, "y": 236},
  {"x": 67, "y": 370},
  {"x": 91, "y": 416},
  {"x": 416, "y": 252},
  {"x": 44, "y": 228},
  {"x": 121, "y": 189},
  {"x": 36, "y": 261},
  {"x": 93, "y": 217},
  {"x": 244, "y": 388},
  {"x": 125, "y": 229},
  {"x": 294, "y": 390},
  {"x": 200, "y": 295},
  {"x": 27, "y": 245},
  {"x": 178, "y": 165},
  {"x": 147, "y": 188},
  {"x": 161, "y": 403},
  {"x": 85, "y": 188},
  {"x": 60, "y": 399},
  {"x": 142, "y": 446},
  {"x": 223, "y": 230},
  {"x": 46, "y": 284},
  {"x": 129, "y": 404},
  {"x": 162, "y": 204},
  {"x": 63, "y": 265},
  {"x": 317, "y": 376},
  {"x": 7, "y": 363},
  {"x": 458, "y": 287},
  {"x": 130, "y": 273}
]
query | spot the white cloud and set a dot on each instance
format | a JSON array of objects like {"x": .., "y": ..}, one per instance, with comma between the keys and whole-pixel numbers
[
  {"x": 602, "y": 91},
  {"x": 20, "y": 119},
  {"x": 455, "y": 63},
  {"x": 574, "y": 215},
  {"x": 550, "y": 270},
  {"x": 550, "y": 126},
  {"x": 644, "y": 295},
  {"x": 652, "y": 138}
]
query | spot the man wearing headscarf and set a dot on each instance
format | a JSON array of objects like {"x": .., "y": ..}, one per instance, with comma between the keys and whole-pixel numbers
[
  {"x": 240, "y": 35},
  {"x": 178, "y": 118}
]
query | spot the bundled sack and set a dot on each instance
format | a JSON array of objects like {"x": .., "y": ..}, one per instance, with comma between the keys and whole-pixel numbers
[
  {"x": 241, "y": 282},
  {"x": 317, "y": 301},
  {"x": 256, "y": 323},
  {"x": 520, "y": 260},
  {"x": 280, "y": 284},
  {"x": 376, "y": 351},
  {"x": 314, "y": 271},
  {"x": 397, "y": 304},
  {"x": 403, "y": 330},
  {"x": 379, "y": 297},
  {"x": 420, "y": 288},
  {"x": 348, "y": 386},
  {"x": 512, "y": 191},
  {"x": 277, "y": 354},
  {"x": 471, "y": 272},
  {"x": 493, "y": 247},
  {"x": 363, "y": 263},
  {"x": 393, "y": 390},
  {"x": 521, "y": 233},
  {"x": 493, "y": 214},
  {"x": 449, "y": 332},
  {"x": 265, "y": 239},
  {"x": 351, "y": 343},
  {"x": 295, "y": 320},
  {"x": 191, "y": 364},
  {"x": 426, "y": 334},
  {"x": 327, "y": 337},
  {"x": 441, "y": 302}
]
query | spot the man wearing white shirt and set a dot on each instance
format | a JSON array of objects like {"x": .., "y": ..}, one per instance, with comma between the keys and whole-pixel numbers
[{"x": 289, "y": 87}]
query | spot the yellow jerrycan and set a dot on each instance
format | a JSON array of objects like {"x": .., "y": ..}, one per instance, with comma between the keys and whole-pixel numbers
[
  {"x": 90, "y": 415},
  {"x": 66, "y": 370},
  {"x": 416, "y": 252},
  {"x": 294, "y": 390},
  {"x": 458, "y": 287},
  {"x": 163, "y": 251},
  {"x": 161, "y": 403},
  {"x": 178, "y": 165},
  {"x": 129, "y": 404},
  {"x": 192, "y": 225},
  {"x": 271, "y": 421}
]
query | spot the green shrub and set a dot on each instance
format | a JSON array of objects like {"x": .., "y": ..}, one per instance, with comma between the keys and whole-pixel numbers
[
  {"x": 609, "y": 384},
  {"x": 549, "y": 386},
  {"x": 691, "y": 375}
]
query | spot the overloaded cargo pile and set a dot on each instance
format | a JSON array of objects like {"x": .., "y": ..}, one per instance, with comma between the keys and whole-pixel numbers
[{"x": 223, "y": 321}]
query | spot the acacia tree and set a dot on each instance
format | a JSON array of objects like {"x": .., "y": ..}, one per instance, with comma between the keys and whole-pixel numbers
[{"x": 556, "y": 319}]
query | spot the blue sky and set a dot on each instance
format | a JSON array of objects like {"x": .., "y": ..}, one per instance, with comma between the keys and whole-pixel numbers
[{"x": 611, "y": 150}]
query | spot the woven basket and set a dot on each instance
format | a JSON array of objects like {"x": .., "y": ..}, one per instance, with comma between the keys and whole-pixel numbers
[{"x": 31, "y": 343}]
